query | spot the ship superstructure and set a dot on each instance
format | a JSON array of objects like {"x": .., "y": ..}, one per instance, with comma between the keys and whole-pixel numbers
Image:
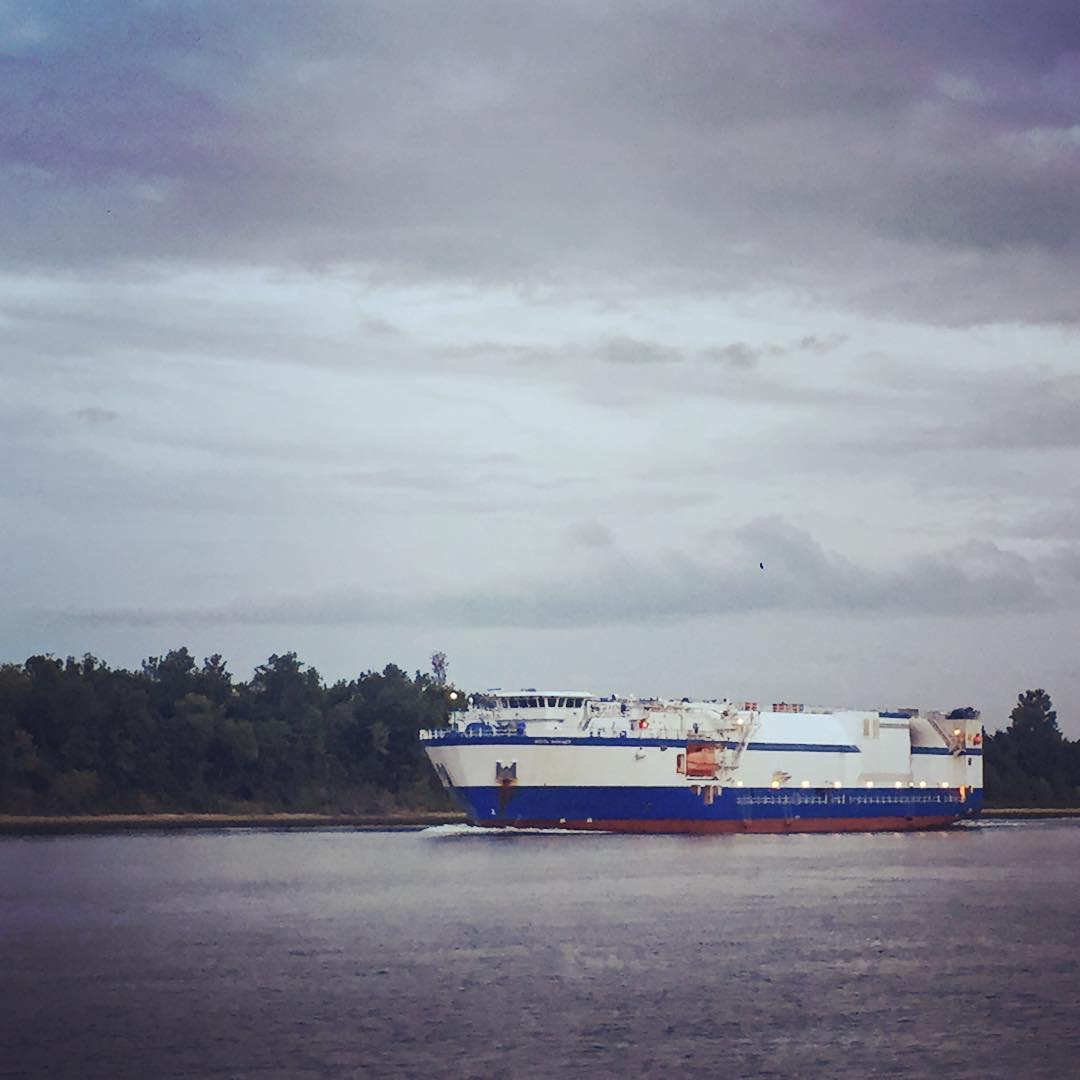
[{"x": 571, "y": 760}]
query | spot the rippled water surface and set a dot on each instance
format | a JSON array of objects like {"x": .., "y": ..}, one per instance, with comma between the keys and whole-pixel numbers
[{"x": 453, "y": 953}]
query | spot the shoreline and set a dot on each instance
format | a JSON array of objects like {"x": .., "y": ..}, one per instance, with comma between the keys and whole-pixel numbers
[
  {"x": 403, "y": 821},
  {"x": 39, "y": 824}
]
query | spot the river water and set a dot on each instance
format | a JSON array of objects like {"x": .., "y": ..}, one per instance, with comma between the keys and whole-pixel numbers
[{"x": 451, "y": 952}]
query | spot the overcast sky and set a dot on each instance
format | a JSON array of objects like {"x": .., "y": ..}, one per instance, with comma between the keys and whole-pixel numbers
[{"x": 527, "y": 332}]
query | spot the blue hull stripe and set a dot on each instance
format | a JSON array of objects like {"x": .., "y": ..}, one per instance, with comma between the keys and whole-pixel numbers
[
  {"x": 493, "y": 805},
  {"x": 944, "y": 751}
]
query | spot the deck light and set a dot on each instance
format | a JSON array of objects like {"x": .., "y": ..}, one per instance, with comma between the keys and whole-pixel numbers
[
  {"x": 836, "y": 784},
  {"x": 922, "y": 783},
  {"x": 806, "y": 783},
  {"x": 776, "y": 783},
  {"x": 869, "y": 783},
  {"x": 957, "y": 731},
  {"x": 944, "y": 783},
  {"x": 738, "y": 783}
]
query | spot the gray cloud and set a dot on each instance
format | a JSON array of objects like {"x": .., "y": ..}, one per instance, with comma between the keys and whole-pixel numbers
[
  {"x": 738, "y": 355},
  {"x": 631, "y": 351},
  {"x": 381, "y": 327},
  {"x": 97, "y": 414},
  {"x": 1055, "y": 518},
  {"x": 127, "y": 319},
  {"x": 977, "y": 578},
  {"x": 820, "y": 345},
  {"x": 1041, "y": 413},
  {"x": 593, "y": 534},
  {"x": 870, "y": 153}
]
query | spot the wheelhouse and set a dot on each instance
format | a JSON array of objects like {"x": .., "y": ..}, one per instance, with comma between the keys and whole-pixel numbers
[{"x": 535, "y": 700}]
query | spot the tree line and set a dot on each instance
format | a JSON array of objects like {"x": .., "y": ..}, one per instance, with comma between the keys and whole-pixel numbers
[
  {"x": 1030, "y": 762},
  {"x": 77, "y": 736}
]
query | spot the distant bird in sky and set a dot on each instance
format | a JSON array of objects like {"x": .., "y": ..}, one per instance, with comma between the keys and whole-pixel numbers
[{"x": 762, "y": 565}]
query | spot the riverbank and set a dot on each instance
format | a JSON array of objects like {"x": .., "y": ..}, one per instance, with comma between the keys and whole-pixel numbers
[
  {"x": 15, "y": 825},
  {"x": 100, "y": 823}
]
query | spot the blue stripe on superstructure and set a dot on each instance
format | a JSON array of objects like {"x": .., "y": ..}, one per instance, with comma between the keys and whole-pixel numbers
[
  {"x": 944, "y": 751},
  {"x": 552, "y": 804},
  {"x": 457, "y": 738}
]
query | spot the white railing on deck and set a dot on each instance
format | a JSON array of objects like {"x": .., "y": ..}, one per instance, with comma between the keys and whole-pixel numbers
[{"x": 607, "y": 720}]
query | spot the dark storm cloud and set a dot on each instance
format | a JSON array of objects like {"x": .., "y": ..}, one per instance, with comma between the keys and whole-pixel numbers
[
  {"x": 977, "y": 578},
  {"x": 919, "y": 158}
]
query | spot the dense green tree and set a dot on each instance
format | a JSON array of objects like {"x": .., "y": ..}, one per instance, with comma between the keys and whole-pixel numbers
[
  {"x": 1031, "y": 763},
  {"x": 77, "y": 736}
]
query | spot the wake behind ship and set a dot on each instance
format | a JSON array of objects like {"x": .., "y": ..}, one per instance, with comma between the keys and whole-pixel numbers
[{"x": 570, "y": 760}]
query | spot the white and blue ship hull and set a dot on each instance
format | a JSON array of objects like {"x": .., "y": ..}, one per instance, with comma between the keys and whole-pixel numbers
[{"x": 741, "y": 771}]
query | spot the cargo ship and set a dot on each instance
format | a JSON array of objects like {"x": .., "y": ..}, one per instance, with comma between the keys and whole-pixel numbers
[{"x": 571, "y": 760}]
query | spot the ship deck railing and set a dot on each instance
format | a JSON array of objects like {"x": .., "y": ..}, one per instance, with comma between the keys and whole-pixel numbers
[{"x": 547, "y": 730}]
